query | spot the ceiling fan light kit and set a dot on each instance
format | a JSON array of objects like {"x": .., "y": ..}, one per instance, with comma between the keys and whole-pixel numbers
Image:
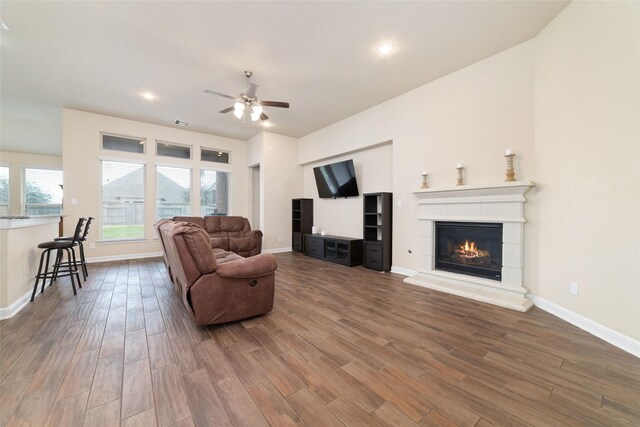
[{"x": 247, "y": 104}]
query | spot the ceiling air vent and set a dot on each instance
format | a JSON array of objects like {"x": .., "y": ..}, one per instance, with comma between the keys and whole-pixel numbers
[{"x": 182, "y": 123}]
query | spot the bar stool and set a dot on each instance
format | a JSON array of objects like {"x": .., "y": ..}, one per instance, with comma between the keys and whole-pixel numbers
[
  {"x": 61, "y": 268},
  {"x": 83, "y": 238}
]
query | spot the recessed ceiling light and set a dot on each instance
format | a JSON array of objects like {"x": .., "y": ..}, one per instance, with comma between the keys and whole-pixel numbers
[
  {"x": 148, "y": 95},
  {"x": 385, "y": 48}
]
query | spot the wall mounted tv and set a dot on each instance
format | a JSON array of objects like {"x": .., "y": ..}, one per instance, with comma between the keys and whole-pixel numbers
[{"x": 336, "y": 180}]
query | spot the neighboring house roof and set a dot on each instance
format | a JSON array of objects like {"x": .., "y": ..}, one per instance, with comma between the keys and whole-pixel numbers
[{"x": 121, "y": 189}]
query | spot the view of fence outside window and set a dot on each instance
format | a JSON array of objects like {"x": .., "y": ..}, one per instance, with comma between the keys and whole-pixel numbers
[
  {"x": 122, "y": 200},
  {"x": 173, "y": 192},
  {"x": 4, "y": 190},
  {"x": 42, "y": 192},
  {"x": 215, "y": 191}
]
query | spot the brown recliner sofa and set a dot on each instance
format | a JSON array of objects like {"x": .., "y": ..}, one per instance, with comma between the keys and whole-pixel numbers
[
  {"x": 231, "y": 233},
  {"x": 217, "y": 286}
]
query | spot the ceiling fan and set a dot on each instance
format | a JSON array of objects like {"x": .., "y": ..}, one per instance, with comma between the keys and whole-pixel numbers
[{"x": 247, "y": 104}]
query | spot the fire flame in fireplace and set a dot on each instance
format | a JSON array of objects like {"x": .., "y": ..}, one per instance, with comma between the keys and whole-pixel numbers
[{"x": 470, "y": 250}]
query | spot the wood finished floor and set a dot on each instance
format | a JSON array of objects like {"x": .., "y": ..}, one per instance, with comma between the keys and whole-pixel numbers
[{"x": 343, "y": 346}]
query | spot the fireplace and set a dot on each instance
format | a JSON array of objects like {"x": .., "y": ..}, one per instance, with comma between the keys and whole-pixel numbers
[
  {"x": 492, "y": 218},
  {"x": 469, "y": 248}
]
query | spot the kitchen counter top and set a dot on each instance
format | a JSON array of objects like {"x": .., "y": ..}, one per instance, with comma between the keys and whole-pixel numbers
[{"x": 9, "y": 221}]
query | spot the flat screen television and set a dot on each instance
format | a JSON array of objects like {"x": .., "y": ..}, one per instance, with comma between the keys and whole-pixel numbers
[{"x": 336, "y": 180}]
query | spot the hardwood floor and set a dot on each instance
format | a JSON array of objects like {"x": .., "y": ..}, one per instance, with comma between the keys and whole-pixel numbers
[{"x": 343, "y": 346}]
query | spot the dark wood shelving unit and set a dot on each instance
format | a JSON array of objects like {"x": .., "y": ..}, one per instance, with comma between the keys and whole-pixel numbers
[
  {"x": 377, "y": 230},
  {"x": 301, "y": 222},
  {"x": 341, "y": 250}
]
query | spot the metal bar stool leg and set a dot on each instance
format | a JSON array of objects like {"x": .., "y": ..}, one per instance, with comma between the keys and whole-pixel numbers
[
  {"x": 46, "y": 270},
  {"x": 35, "y": 287},
  {"x": 56, "y": 267},
  {"x": 73, "y": 284},
  {"x": 83, "y": 261},
  {"x": 75, "y": 266}
]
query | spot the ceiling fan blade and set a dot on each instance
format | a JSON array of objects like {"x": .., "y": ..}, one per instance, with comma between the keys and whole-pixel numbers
[
  {"x": 226, "y": 110},
  {"x": 263, "y": 116},
  {"x": 251, "y": 90},
  {"x": 274, "y": 104},
  {"x": 213, "y": 92}
]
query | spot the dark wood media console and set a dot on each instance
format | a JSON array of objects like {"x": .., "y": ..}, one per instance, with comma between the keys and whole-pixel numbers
[{"x": 341, "y": 250}]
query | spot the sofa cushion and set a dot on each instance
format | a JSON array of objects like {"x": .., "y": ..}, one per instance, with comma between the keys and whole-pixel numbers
[
  {"x": 232, "y": 224},
  {"x": 241, "y": 245},
  {"x": 219, "y": 241},
  {"x": 226, "y": 257},
  {"x": 193, "y": 219},
  {"x": 223, "y": 230},
  {"x": 212, "y": 224},
  {"x": 199, "y": 245}
]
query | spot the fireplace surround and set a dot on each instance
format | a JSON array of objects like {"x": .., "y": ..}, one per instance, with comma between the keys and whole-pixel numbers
[{"x": 499, "y": 208}]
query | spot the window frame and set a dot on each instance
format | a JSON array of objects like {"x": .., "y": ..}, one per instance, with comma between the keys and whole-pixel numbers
[
  {"x": 209, "y": 162},
  {"x": 8, "y": 166},
  {"x": 162, "y": 156},
  {"x": 117, "y": 135}
]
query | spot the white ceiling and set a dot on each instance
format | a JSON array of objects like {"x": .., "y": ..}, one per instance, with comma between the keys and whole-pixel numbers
[{"x": 319, "y": 56}]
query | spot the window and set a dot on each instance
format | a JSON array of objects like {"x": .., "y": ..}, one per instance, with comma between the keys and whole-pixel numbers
[
  {"x": 42, "y": 192},
  {"x": 173, "y": 192},
  {"x": 122, "y": 200},
  {"x": 4, "y": 190},
  {"x": 169, "y": 149},
  {"x": 216, "y": 156},
  {"x": 123, "y": 143},
  {"x": 215, "y": 192}
]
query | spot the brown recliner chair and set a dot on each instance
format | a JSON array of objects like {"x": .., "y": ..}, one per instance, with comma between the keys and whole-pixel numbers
[
  {"x": 231, "y": 233},
  {"x": 216, "y": 286}
]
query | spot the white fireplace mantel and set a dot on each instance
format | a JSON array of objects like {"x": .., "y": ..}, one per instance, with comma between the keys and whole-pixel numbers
[{"x": 501, "y": 203}]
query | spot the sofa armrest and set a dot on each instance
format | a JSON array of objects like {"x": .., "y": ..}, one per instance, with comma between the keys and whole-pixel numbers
[
  {"x": 256, "y": 266},
  {"x": 254, "y": 233}
]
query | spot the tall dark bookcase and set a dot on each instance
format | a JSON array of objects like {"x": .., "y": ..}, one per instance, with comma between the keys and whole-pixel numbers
[
  {"x": 377, "y": 230},
  {"x": 301, "y": 222}
]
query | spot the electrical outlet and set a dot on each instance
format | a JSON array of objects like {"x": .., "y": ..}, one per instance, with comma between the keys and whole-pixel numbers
[
  {"x": 74, "y": 201},
  {"x": 92, "y": 245},
  {"x": 573, "y": 288}
]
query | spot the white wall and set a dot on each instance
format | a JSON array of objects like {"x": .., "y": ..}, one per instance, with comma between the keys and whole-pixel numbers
[
  {"x": 343, "y": 217},
  {"x": 587, "y": 125},
  {"x": 470, "y": 116},
  {"x": 81, "y": 153},
  {"x": 281, "y": 179},
  {"x": 255, "y": 150}
]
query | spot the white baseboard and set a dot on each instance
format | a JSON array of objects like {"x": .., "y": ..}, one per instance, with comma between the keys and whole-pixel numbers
[
  {"x": 123, "y": 257},
  {"x": 277, "y": 250},
  {"x": 617, "y": 339},
  {"x": 14, "y": 308},
  {"x": 403, "y": 271}
]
